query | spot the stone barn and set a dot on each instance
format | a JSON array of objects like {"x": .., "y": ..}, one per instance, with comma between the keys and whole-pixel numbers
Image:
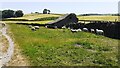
[{"x": 64, "y": 20}]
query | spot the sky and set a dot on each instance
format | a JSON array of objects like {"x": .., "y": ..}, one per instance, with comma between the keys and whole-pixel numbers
[{"x": 80, "y": 7}]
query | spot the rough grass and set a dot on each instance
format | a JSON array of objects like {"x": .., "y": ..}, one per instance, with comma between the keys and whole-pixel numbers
[
  {"x": 101, "y": 18},
  {"x": 53, "y": 47},
  {"x": 39, "y": 22}
]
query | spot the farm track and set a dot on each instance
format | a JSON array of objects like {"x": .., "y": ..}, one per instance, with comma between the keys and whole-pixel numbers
[
  {"x": 6, "y": 57},
  {"x": 12, "y": 57}
]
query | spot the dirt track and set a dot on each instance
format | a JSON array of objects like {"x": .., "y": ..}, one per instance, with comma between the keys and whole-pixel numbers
[
  {"x": 12, "y": 55},
  {"x": 6, "y": 57}
]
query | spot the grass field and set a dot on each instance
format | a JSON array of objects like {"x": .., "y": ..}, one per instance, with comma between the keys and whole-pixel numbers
[
  {"x": 38, "y": 22},
  {"x": 36, "y": 16},
  {"x": 51, "y": 47},
  {"x": 100, "y": 18}
]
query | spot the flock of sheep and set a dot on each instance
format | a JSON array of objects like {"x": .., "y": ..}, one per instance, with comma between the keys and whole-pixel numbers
[{"x": 97, "y": 31}]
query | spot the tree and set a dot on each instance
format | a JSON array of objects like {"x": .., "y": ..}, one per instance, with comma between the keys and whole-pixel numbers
[
  {"x": 48, "y": 11},
  {"x": 45, "y": 11},
  {"x": 19, "y": 13},
  {"x": 7, "y": 13}
]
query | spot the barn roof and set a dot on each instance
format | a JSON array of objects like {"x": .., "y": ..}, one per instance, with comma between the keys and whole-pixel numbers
[{"x": 60, "y": 18}]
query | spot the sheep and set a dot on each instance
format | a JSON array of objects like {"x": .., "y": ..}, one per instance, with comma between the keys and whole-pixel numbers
[
  {"x": 68, "y": 27},
  {"x": 92, "y": 30},
  {"x": 63, "y": 27},
  {"x": 46, "y": 26},
  {"x": 76, "y": 30},
  {"x": 36, "y": 27},
  {"x": 30, "y": 26},
  {"x": 99, "y": 32},
  {"x": 33, "y": 29},
  {"x": 55, "y": 27},
  {"x": 73, "y": 30},
  {"x": 79, "y": 29},
  {"x": 51, "y": 26},
  {"x": 85, "y": 29}
]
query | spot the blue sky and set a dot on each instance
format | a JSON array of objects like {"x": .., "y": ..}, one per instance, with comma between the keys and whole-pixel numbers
[{"x": 63, "y": 7}]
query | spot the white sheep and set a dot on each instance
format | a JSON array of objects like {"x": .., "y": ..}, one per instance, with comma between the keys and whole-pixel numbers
[
  {"x": 99, "y": 32},
  {"x": 85, "y": 29},
  {"x": 92, "y": 30},
  {"x": 33, "y": 29},
  {"x": 79, "y": 29},
  {"x": 30, "y": 26},
  {"x": 36, "y": 27},
  {"x": 46, "y": 26},
  {"x": 55, "y": 27},
  {"x": 63, "y": 27},
  {"x": 68, "y": 27},
  {"x": 74, "y": 30}
]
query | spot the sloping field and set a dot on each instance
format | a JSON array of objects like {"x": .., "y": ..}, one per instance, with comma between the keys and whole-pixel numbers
[
  {"x": 38, "y": 16},
  {"x": 53, "y": 47},
  {"x": 35, "y": 16}
]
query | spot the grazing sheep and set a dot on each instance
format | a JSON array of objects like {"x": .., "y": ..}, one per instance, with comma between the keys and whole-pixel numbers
[
  {"x": 85, "y": 29},
  {"x": 51, "y": 26},
  {"x": 36, "y": 27},
  {"x": 63, "y": 27},
  {"x": 46, "y": 26},
  {"x": 92, "y": 30},
  {"x": 73, "y": 30},
  {"x": 55, "y": 27},
  {"x": 76, "y": 30},
  {"x": 68, "y": 27},
  {"x": 30, "y": 26},
  {"x": 99, "y": 32},
  {"x": 33, "y": 29},
  {"x": 79, "y": 29}
]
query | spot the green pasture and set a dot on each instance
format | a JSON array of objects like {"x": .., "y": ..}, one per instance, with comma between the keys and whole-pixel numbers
[{"x": 61, "y": 47}]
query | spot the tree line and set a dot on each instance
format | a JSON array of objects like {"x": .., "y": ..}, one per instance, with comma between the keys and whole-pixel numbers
[{"x": 11, "y": 13}]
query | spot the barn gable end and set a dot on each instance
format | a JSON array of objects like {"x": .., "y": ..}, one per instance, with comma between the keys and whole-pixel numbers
[{"x": 64, "y": 20}]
